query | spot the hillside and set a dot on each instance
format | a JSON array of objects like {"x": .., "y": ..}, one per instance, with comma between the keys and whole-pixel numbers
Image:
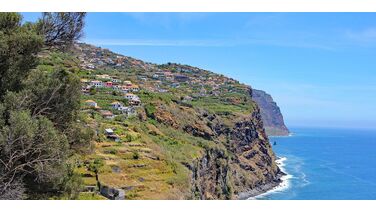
[
  {"x": 270, "y": 113},
  {"x": 167, "y": 131}
]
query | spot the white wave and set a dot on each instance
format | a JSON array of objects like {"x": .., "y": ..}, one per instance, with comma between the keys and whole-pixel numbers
[{"x": 285, "y": 184}]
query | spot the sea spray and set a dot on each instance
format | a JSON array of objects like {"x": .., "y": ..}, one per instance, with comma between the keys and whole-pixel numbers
[{"x": 285, "y": 184}]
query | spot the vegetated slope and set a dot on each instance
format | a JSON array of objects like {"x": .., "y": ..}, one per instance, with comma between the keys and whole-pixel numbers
[
  {"x": 195, "y": 134},
  {"x": 270, "y": 113}
]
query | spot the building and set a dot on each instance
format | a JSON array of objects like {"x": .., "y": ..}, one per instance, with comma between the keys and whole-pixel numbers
[
  {"x": 111, "y": 135},
  {"x": 116, "y": 105},
  {"x": 134, "y": 88},
  {"x": 116, "y": 87},
  {"x": 103, "y": 76},
  {"x": 130, "y": 96},
  {"x": 85, "y": 81},
  {"x": 91, "y": 103},
  {"x": 108, "y": 131},
  {"x": 85, "y": 89},
  {"x": 107, "y": 114},
  {"x": 132, "y": 99},
  {"x": 125, "y": 89},
  {"x": 108, "y": 84},
  {"x": 135, "y": 102},
  {"x": 115, "y": 80},
  {"x": 127, "y": 83},
  {"x": 129, "y": 111},
  {"x": 97, "y": 84}
]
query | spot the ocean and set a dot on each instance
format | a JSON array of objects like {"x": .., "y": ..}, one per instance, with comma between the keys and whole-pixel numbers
[{"x": 326, "y": 164}]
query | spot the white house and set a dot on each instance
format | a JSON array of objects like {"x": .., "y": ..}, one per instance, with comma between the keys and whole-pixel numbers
[
  {"x": 109, "y": 131},
  {"x": 124, "y": 89},
  {"x": 134, "y": 88},
  {"x": 130, "y": 96},
  {"x": 128, "y": 110},
  {"x": 97, "y": 84},
  {"x": 115, "y": 80},
  {"x": 116, "y": 105},
  {"x": 116, "y": 87}
]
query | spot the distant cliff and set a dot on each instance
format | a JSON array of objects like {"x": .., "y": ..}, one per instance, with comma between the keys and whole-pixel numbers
[{"x": 270, "y": 112}]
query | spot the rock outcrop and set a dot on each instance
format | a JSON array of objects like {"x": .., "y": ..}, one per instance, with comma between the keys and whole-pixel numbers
[
  {"x": 270, "y": 113},
  {"x": 245, "y": 168}
]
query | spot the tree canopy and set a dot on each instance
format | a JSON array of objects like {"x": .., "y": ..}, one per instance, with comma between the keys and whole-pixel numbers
[
  {"x": 39, "y": 130},
  {"x": 61, "y": 30}
]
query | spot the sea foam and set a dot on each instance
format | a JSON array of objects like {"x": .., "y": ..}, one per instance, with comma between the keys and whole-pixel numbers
[{"x": 285, "y": 184}]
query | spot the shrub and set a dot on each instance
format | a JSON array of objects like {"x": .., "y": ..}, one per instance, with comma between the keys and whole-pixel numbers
[
  {"x": 150, "y": 109},
  {"x": 135, "y": 156},
  {"x": 93, "y": 91}
]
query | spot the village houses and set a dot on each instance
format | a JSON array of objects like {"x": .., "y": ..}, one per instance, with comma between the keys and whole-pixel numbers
[
  {"x": 132, "y": 99},
  {"x": 125, "y": 110}
]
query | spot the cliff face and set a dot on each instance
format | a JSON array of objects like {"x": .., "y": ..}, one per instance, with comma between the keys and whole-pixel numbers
[
  {"x": 246, "y": 167},
  {"x": 270, "y": 113},
  {"x": 238, "y": 161}
]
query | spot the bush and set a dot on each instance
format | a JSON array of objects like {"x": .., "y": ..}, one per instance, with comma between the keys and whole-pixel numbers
[
  {"x": 95, "y": 165},
  {"x": 120, "y": 118},
  {"x": 93, "y": 91},
  {"x": 135, "y": 156},
  {"x": 150, "y": 109}
]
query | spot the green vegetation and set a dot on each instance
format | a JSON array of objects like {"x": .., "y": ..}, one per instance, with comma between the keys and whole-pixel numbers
[{"x": 39, "y": 103}]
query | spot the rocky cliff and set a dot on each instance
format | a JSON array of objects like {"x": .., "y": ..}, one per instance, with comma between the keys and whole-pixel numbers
[
  {"x": 245, "y": 168},
  {"x": 237, "y": 163},
  {"x": 270, "y": 113}
]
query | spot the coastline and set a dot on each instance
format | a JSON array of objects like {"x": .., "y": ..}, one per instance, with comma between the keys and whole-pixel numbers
[{"x": 280, "y": 184}]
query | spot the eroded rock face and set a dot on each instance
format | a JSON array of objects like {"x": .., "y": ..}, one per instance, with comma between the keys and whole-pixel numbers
[
  {"x": 246, "y": 164},
  {"x": 270, "y": 113}
]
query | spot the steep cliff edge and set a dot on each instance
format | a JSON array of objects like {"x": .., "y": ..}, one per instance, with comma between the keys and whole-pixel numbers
[
  {"x": 270, "y": 113},
  {"x": 245, "y": 168},
  {"x": 236, "y": 162}
]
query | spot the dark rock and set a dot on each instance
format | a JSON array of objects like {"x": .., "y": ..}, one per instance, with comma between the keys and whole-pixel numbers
[
  {"x": 116, "y": 169},
  {"x": 141, "y": 179},
  {"x": 112, "y": 193}
]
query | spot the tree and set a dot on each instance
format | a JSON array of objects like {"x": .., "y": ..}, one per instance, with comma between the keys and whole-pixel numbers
[
  {"x": 61, "y": 30},
  {"x": 31, "y": 150},
  {"x": 19, "y": 46},
  {"x": 39, "y": 126}
]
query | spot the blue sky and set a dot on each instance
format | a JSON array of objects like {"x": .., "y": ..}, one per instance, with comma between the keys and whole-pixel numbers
[{"x": 319, "y": 67}]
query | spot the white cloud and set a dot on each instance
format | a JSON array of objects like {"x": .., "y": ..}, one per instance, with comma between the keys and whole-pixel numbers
[{"x": 365, "y": 35}]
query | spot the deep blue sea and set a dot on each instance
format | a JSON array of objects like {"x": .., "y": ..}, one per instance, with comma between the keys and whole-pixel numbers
[{"x": 327, "y": 164}]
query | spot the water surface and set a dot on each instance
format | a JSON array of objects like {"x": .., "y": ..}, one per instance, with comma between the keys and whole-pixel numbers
[{"x": 327, "y": 164}]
